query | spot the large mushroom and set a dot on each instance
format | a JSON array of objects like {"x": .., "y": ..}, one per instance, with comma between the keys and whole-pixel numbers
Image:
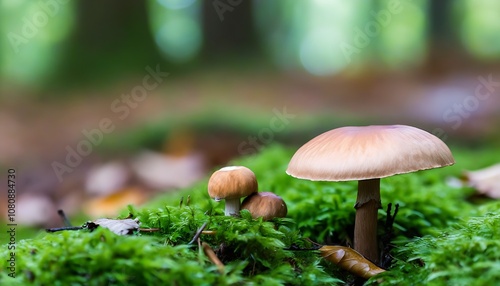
[
  {"x": 366, "y": 154},
  {"x": 232, "y": 183}
]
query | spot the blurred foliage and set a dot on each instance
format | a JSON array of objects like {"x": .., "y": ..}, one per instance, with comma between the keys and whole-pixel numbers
[
  {"x": 479, "y": 26},
  {"x": 176, "y": 27},
  {"x": 47, "y": 42},
  {"x": 34, "y": 36},
  {"x": 412, "y": 21}
]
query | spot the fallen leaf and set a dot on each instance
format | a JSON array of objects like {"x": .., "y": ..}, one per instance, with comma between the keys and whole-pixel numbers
[
  {"x": 110, "y": 205},
  {"x": 32, "y": 209},
  {"x": 486, "y": 181},
  {"x": 118, "y": 226},
  {"x": 160, "y": 171},
  {"x": 107, "y": 178},
  {"x": 350, "y": 260}
]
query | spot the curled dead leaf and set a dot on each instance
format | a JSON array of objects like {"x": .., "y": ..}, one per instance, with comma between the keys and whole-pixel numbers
[{"x": 350, "y": 260}]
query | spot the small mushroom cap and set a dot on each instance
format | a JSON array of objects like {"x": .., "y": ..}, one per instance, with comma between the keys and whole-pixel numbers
[
  {"x": 368, "y": 152},
  {"x": 266, "y": 205},
  {"x": 232, "y": 182}
]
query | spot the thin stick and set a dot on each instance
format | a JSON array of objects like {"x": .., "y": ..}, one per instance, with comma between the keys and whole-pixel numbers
[
  {"x": 149, "y": 229},
  {"x": 316, "y": 246},
  {"x": 209, "y": 252},
  {"x": 198, "y": 232},
  {"x": 209, "y": 232},
  {"x": 315, "y": 243},
  {"x": 386, "y": 257},
  {"x": 65, "y": 219},
  {"x": 295, "y": 248},
  {"x": 63, "y": 228}
]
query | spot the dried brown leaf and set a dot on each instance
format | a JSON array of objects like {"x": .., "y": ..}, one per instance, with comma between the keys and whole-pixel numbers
[{"x": 350, "y": 260}]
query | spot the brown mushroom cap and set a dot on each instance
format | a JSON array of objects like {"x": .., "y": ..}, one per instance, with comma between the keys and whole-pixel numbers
[
  {"x": 265, "y": 204},
  {"x": 368, "y": 152},
  {"x": 232, "y": 182}
]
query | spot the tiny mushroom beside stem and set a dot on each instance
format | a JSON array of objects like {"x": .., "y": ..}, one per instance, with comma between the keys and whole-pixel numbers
[
  {"x": 265, "y": 204},
  {"x": 366, "y": 154},
  {"x": 232, "y": 183}
]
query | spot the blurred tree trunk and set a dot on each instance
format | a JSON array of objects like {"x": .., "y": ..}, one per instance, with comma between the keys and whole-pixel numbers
[
  {"x": 445, "y": 49},
  {"x": 228, "y": 27},
  {"x": 109, "y": 40}
]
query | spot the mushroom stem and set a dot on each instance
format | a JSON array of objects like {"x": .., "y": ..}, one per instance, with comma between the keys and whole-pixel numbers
[
  {"x": 232, "y": 207},
  {"x": 365, "y": 227}
]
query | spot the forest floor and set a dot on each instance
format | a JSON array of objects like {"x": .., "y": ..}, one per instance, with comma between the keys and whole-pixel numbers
[{"x": 36, "y": 133}]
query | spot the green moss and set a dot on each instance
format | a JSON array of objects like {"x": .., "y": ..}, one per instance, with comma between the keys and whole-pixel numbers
[
  {"x": 259, "y": 245},
  {"x": 466, "y": 254},
  {"x": 255, "y": 252},
  {"x": 103, "y": 258},
  {"x": 325, "y": 211}
]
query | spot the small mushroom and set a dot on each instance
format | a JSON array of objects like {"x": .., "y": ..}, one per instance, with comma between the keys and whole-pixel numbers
[
  {"x": 366, "y": 154},
  {"x": 230, "y": 184},
  {"x": 265, "y": 204}
]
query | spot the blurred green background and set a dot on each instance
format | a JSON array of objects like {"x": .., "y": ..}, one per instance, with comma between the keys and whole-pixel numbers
[{"x": 241, "y": 75}]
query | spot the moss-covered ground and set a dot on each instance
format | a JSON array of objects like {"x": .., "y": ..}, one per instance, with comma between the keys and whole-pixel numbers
[{"x": 441, "y": 236}]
